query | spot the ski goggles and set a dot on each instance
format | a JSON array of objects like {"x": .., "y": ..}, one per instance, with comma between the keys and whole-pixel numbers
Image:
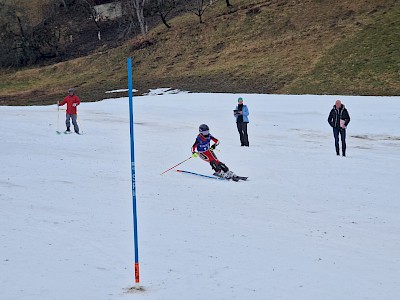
[{"x": 204, "y": 132}]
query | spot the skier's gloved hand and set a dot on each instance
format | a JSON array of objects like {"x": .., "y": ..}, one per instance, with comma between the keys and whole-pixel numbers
[
  {"x": 195, "y": 154},
  {"x": 213, "y": 147}
]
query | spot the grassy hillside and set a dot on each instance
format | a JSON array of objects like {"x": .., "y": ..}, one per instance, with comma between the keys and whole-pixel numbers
[
  {"x": 264, "y": 46},
  {"x": 366, "y": 63}
]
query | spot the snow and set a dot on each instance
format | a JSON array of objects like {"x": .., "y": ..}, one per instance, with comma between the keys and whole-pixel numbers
[
  {"x": 119, "y": 91},
  {"x": 164, "y": 91},
  {"x": 306, "y": 225},
  {"x": 152, "y": 92}
]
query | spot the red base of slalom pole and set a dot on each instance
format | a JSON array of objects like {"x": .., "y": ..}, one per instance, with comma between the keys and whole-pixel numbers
[{"x": 137, "y": 278}]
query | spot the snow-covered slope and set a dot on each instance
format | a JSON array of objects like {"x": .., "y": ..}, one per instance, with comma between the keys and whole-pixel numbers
[{"x": 306, "y": 225}]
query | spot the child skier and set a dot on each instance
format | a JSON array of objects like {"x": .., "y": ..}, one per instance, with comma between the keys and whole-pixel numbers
[{"x": 206, "y": 153}]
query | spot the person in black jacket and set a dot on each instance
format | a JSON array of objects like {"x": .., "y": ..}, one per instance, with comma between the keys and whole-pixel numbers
[{"x": 339, "y": 118}]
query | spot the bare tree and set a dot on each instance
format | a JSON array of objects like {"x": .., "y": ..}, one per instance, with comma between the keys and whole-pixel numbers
[
  {"x": 139, "y": 7},
  {"x": 198, "y": 7},
  {"x": 26, "y": 40},
  {"x": 133, "y": 14},
  {"x": 88, "y": 6},
  {"x": 16, "y": 32},
  {"x": 163, "y": 8},
  {"x": 127, "y": 24},
  {"x": 46, "y": 30}
]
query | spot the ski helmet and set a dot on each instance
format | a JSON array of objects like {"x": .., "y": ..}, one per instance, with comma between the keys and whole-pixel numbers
[{"x": 203, "y": 129}]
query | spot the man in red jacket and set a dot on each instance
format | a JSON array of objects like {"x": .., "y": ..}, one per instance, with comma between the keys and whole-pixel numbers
[{"x": 72, "y": 102}]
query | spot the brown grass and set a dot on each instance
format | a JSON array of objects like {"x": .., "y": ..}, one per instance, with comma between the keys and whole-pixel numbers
[{"x": 274, "y": 46}]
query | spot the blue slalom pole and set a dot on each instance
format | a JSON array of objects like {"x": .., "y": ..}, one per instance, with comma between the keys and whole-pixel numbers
[{"x": 135, "y": 231}]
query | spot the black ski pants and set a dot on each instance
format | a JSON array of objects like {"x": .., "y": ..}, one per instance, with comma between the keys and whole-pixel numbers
[{"x": 242, "y": 129}]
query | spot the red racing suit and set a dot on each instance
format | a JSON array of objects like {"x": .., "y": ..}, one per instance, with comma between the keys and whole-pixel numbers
[{"x": 202, "y": 147}]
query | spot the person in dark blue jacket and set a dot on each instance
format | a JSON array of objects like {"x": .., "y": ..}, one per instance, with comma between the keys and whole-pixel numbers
[
  {"x": 241, "y": 114},
  {"x": 339, "y": 118}
]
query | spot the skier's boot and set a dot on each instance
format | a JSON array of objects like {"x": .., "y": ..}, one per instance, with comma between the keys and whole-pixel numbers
[
  {"x": 219, "y": 173},
  {"x": 222, "y": 174},
  {"x": 229, "y": 175}
]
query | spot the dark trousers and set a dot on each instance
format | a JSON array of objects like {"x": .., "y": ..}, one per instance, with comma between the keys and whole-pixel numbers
[
  {"x": 242, "y": 128},
  {"x": 342, "y": 132},
  {"x": 74, "y": 121}
]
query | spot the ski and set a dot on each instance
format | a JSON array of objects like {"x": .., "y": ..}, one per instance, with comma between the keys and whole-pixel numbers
[
  {"x": 234, "y": 178},
  {"x": 202, "y": 175},
  {"x": 68, "y": 132}
]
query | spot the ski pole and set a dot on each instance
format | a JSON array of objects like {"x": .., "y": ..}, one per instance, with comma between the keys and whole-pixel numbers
[
  {"x": 58, "y": 118},
  {"x": 79, "y": 123},
  {"x": 193, "y": 155}
]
